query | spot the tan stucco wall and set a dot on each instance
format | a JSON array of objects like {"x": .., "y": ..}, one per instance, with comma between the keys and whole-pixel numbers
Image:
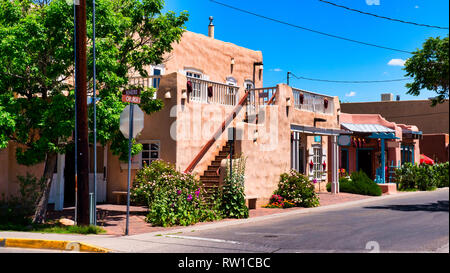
[
  {"x": 213, "y": 58},
  {"x": 10, "y": 169},
  {"x": 264, "y": 166}
]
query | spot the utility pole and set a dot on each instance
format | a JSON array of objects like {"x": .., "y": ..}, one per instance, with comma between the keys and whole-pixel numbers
[
  {"x": 82, "y": 116},
  {"x": 288, "y": 77}
]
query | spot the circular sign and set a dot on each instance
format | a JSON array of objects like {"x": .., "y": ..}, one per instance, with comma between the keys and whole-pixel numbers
[{"x": 344, "y": 140}]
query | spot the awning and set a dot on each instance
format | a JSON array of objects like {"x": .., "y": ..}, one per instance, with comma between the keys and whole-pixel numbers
[
  {"x": 367, "y": 128},
  {"x": 318, "y": 131},
  {"x": 412, "y": 134}
]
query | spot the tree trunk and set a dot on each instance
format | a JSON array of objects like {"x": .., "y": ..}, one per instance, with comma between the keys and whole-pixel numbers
[{"x": 41, "y": 208}]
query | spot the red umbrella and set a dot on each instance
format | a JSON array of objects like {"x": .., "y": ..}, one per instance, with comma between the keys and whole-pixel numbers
[{"x": 425, "y": 159}]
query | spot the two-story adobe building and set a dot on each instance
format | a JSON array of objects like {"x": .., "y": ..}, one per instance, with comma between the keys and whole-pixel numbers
[{"x": 207, "y": 87}]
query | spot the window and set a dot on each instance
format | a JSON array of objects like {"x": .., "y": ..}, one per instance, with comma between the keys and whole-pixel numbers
[
  {"x": 317, "y": 161},
  {"x": 156, "y": 72},
  {"x": 407, "y": 153},
  {"x": 194, "y": 74},
  {"x": 248, "y": 84},
  {"x": 150, "y": 152}
]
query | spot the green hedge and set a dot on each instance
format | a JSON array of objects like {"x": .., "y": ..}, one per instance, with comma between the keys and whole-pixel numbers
[
  {"x": 358, "y": 183},
  {"x": 422, "y": 177}
]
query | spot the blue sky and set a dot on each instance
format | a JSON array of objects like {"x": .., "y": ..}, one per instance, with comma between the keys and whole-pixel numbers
[{"x": 315, "y": 56}]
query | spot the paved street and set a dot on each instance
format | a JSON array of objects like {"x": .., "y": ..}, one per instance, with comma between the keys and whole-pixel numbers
[
  {"x": 413, "y": 223},
  {"x": 407, "y": 222}
]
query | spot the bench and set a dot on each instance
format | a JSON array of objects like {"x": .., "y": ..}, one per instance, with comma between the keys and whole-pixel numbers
[
  {"x": 118, "y": 194},
  {"x": 251, "y": 201}
]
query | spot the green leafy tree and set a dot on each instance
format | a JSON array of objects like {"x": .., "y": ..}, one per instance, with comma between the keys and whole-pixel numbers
[
  {"x": 429, "y": 68},
  {"x": 36, "y": 73}
]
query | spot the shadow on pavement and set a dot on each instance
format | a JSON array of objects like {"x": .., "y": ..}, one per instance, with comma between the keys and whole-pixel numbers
[{"x": 431, "y": 207}]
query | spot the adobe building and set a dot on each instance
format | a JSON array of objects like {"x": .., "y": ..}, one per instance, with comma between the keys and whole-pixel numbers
[
  {"x": 432, "y": 121},
  {"x": 209, "y": 86},
  {"x": 375, "y": 144}
]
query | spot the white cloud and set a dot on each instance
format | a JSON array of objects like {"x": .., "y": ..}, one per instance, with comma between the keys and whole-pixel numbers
[
  {"x": 351, "y": 94},
  {"x": 416, "y": 6},
  {"x": 277, "y": 69},
  {"x": 397, "y": 62}
]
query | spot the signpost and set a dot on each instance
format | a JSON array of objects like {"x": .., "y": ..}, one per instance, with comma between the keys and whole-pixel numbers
[{"x": 127, "y": 120}]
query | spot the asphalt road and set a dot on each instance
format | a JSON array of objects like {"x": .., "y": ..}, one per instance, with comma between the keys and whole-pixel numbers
[
  {"x": 414, "y": 223},
  {"x": 417, "y": 222}
]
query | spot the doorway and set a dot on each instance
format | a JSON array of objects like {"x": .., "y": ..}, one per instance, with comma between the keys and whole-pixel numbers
[
  {"x": 364, "y": 161},
  {"x": 69, "y": 179}
]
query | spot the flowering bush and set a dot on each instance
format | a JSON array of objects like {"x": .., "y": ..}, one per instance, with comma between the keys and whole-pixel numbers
[
  {"x": 276, "y": 201},
  {"x": 173, "y": 198},
  {"x": 296, "y": 188}
]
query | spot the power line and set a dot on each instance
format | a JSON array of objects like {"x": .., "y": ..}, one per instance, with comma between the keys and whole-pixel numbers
[
  {"x": 382, "y": 17},
  {"x": 310, "y": 30},
  {"x": 336, "y": 81}
]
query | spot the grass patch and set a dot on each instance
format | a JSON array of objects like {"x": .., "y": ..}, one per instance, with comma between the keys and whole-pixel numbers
[{"x": 53, "y": 228}]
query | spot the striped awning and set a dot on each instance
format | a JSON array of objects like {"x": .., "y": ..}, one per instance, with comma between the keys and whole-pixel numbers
[{"x": 367, "y": 128}]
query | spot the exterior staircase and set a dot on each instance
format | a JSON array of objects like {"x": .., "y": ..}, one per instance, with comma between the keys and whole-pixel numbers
[{"x": 211, "y": 176}]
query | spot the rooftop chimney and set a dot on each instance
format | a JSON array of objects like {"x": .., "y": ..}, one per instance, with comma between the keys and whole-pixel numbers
[
  {"x": 387, "y": 97},
  {"x": 211, "y": 27}
]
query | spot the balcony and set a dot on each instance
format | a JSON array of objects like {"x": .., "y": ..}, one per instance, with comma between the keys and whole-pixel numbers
[
  {"x": 204, "y": 91},
  {"x": 313, "y": 102}
]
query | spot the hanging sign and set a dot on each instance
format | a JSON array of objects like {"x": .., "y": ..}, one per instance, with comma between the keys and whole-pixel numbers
[{"x": 344, "y": 140}]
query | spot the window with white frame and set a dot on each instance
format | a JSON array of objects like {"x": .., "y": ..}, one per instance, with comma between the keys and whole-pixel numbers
[
  {"x": 248, "y": 84},
  {"x": 194, "y": 74},
  {"x": 317, "y": 162},
  {"x": 150, "y": 151}
]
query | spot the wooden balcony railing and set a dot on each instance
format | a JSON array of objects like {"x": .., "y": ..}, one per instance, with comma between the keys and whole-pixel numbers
[
  {"x": 313, "y": 102},
  {"x": 213, "y": 92}
]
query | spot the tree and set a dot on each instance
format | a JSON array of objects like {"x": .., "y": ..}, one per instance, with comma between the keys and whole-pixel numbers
[
  {"x": 36, "y": 73},
  {"x": 429, "y": 68}
]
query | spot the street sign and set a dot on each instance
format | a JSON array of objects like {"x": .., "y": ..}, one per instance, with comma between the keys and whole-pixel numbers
[
  {"x": 132, "y": 92},
  {"x": 131, "y": 99},
  {"x": 138, "y": 121},
  {"x": 131, "y": 96}
]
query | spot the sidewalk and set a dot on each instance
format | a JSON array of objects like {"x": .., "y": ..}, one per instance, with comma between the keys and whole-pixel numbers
[
  {"x": 113, "y": 217},
  {"x": 142, "y": 234}
]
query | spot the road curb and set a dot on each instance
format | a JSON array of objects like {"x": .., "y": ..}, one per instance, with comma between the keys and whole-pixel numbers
[{"x": 52, "y": 244}]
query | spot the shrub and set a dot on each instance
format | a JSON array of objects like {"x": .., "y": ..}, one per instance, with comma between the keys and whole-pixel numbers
[
  {"x": 296, "y": 188},
  {"x": 358, "y": 183},
  {"x": 421, "y": 177},
  {"x": 442, "y": 174},
  {"x": 173, "y": 198},
  {"x": 232, "y": 196},
  {"x": 17, "y": 210}
]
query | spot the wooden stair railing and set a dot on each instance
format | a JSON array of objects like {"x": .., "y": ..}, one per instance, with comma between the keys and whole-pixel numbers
[{"x": 217, "y": 134}]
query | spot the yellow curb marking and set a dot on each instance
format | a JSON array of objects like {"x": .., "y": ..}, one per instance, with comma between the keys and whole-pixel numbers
[{"x": 51, "y": 244}]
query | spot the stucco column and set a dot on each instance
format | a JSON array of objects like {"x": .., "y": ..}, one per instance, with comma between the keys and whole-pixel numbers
[{"x": 334, "y": 165}]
